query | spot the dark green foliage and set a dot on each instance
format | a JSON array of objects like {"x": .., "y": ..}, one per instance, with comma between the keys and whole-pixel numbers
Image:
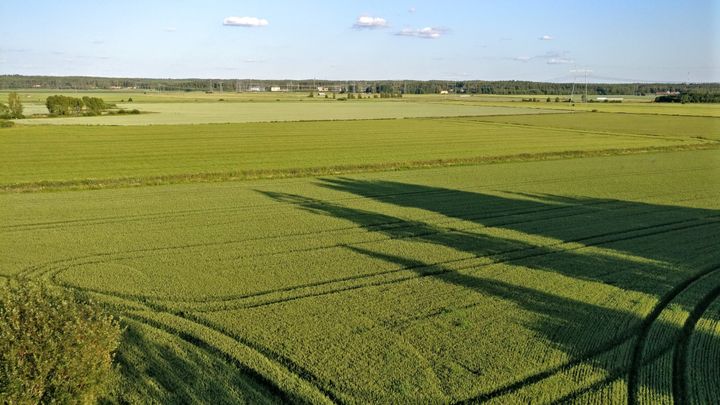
[
  {"x": 62, "y": 105},
  {"x": 54, "y": 347},
  {"x": 13, "y": 109},
  {"x": 689, "y": 98},
  {"x": 94, "y": 105},
  {"x": 6, "y": 124},
  {"x": 15, "y": 105}
]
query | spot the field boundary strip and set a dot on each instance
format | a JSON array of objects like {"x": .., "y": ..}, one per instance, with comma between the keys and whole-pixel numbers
[{"x": 268, "y": 174}]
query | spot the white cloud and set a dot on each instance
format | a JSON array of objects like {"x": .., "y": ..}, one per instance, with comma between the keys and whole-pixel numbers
[
  {"x": 550, "y": 57},
  {"x": 427, "y": 32},
  {"x": 546, "y": 38},
  {"x": 169, "y": 29},
  {"x": 370, "y": 22},
  {"x": 412, "y": 10},
  {"x": 245, "y": 22}
]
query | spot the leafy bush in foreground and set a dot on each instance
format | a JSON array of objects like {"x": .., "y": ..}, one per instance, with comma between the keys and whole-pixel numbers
[{"x": 54, "y": 347}]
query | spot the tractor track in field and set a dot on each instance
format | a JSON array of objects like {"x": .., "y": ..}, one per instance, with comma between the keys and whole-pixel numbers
[
  {"x": 399, "y": 223},
  {"x": 637, "y": 360},
  {"x": 277, "y": 358},
  {"x": 639, "y": 333},
  {"x": 256, "y": 377},
  {"x": 280, "y": 360},
  {"x": 437, "y": 269},
  {"x": 680, "y": 383},
  {"x": 310, "y": 378},
  {"x": 59, "y": 266}
]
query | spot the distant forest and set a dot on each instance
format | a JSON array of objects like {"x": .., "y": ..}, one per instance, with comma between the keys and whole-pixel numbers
[{"x": 355, "y": 86}]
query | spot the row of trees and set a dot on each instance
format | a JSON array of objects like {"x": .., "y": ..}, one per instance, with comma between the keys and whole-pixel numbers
[
  {"x": 64, "y": 105},
  {"x": 353, "y": 86},
  {"x": 13, "y": 109},
  {"x": 689, "y": 98}
]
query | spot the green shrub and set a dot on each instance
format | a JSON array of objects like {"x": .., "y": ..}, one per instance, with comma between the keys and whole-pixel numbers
[
  {"x": 6, "y": 124},
  {"x": 54, "y": 347}
]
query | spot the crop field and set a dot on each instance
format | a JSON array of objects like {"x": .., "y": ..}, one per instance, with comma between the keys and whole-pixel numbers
[
  {"x": 35, "y": 157},
  {"x": 449, "y": 284},
  {"x": 225, "y": 112},
  {"x": 569, "y": 257}
]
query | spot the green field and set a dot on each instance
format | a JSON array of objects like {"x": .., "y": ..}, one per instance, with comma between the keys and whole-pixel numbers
[
  {"x": 505, "y": 259},
  {"x": 35, "y": 157},
  {"x": 225, "y": 112},
  {"x": 174, "y": 108}
]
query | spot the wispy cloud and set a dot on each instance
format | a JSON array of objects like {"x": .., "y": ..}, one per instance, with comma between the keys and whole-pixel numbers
[
  {"x": 426, "y": 33},
  {"x": 412, "y": 10},
  {"x": 546, "y": 38},
  {"x": 169, "y": 29},
  {"x": 368, "y": 22},
  {"x": 245, "y": 22},
  {"x": 560, "y": 61},
  {"x": 550, "y": 57}
]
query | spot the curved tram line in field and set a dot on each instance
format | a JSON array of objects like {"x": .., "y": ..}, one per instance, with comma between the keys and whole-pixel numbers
[
  {"x": 52, "y": 269},
  {"x": 681, "y": 391}
]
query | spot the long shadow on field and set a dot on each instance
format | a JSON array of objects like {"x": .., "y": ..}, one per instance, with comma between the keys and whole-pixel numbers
[
  {"x": 172, "y": 371},
  {"x": 633, "y": 246},
  {"x": 671, "y": 242}
]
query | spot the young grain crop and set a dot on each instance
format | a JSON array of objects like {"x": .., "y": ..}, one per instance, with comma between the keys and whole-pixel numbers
[{"x": 500, "y": 282}]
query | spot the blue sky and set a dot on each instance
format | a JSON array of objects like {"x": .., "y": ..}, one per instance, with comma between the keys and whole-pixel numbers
[{"x": 642, "y": 40}]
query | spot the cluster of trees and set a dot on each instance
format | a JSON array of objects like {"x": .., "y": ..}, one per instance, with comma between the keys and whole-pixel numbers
[
  {"x": 13, "y": 109},
  {"x": 64, "y": 105},
  {"x": 353, "y": 86},
  {"x": 689, "y": 98}
]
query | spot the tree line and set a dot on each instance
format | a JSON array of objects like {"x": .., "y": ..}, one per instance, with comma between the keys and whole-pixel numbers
[
  {"x": 506, "y": 87},
  {"x": 689, "y": 98},
  {"x": 64, "y": 105}
]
